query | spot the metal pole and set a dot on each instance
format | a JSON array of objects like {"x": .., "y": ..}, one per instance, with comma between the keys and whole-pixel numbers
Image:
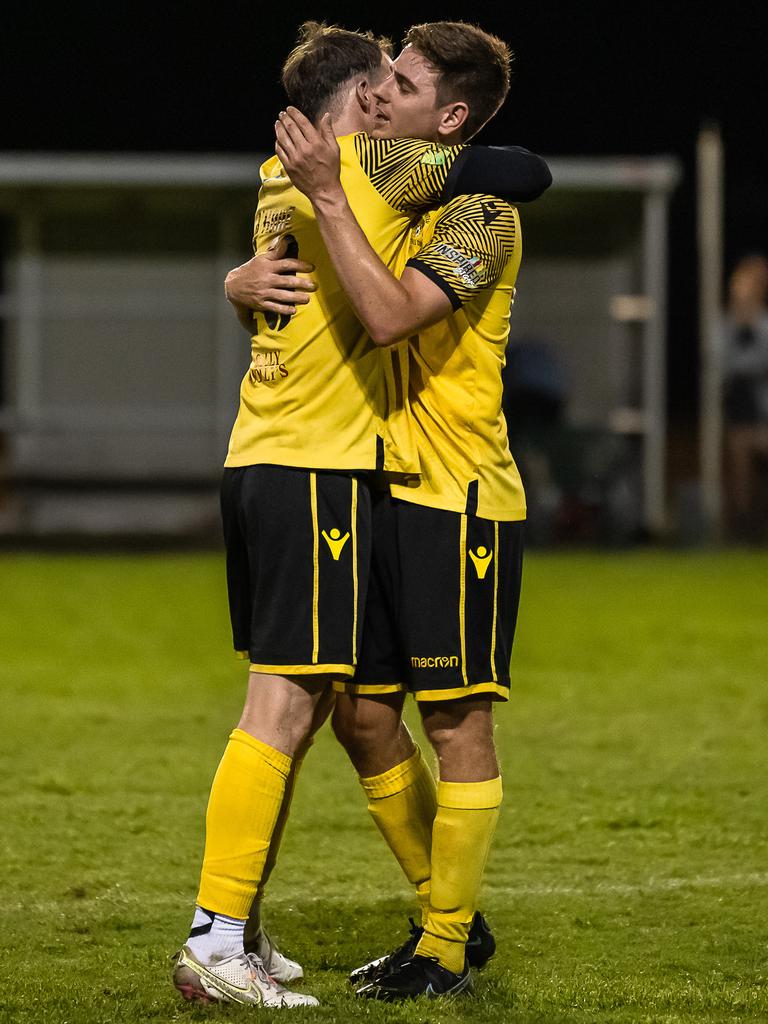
[
  {"x": 710, "y": 162},
  {"x": 654, "y": 362},
  {"x": 29, "y": 361}
]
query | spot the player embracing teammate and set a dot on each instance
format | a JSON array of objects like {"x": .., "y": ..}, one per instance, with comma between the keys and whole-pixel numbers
[{"x": 372, "y": 510}]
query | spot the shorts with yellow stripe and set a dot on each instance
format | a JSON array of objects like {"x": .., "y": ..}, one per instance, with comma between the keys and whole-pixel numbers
[
  {"x": 442, "y": 603},
  {"x": 298, "y": 547}
]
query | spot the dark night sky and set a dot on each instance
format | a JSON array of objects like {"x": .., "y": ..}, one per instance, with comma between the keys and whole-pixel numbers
[{"x": 590, "y": 78}]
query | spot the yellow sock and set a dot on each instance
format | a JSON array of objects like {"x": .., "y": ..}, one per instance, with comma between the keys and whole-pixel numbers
[
  {"x": 243, "y": 809},
  {"x": 253, "y": 924},
  {"x": 403, "y": 803},
  {"x": 466, "y": 818}
]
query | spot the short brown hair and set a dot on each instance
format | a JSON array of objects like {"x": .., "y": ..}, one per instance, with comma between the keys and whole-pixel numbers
[
  {"x": 474, "y": 66},
  {"x": 327, "y": 56}
]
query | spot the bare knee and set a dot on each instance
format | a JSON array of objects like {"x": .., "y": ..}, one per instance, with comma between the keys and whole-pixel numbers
[
  {"x": 281, "y": 711},
  {"x": 461, "y": 733},
  {"x": 372, "y": 732},
  {"x": 361, "y": 724}
]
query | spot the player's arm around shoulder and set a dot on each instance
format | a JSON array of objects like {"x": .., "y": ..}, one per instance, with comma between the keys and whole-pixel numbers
[{"x": 511, "y": 173}]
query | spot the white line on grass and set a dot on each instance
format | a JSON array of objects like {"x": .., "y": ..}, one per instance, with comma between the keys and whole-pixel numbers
[
  {"x": 756, "y": 880},
  {"x": 652, "y": 885},
  {"x": 117, "y": 897}
]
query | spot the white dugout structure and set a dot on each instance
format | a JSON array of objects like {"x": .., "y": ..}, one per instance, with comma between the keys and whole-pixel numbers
[{"x": 120, "y": 359}]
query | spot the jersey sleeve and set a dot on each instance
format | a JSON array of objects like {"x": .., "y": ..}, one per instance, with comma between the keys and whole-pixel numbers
[
  {"x": 409, "y": 174},
  {"x": 511, "y": 173},
  {"x": 473, "y": 239}
]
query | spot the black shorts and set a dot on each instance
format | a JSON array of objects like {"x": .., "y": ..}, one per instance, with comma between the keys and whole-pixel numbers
[
  {"x": 442, "y": 603},
  {"x": 298, "y": 560}
]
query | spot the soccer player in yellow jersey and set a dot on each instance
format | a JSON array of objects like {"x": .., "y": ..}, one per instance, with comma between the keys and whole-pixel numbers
[
  {"x": 444, "y": 591},
  {"x": 296, "y": 510}
]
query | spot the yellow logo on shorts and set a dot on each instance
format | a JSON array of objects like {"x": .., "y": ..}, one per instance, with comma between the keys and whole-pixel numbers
[
  {"x": 441, "y": 661},
  {"x": 335, "y": 542},
  {"x": 481, "y": 559}
]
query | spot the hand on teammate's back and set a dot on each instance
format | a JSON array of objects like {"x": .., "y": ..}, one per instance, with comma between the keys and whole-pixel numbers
[
  {"x": 269, "y": 282},
  {"x": 310, "y": 155}
]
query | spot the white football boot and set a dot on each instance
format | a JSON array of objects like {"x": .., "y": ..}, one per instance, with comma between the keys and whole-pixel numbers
[
  {"x": 277, "y": 964},
  {"x": 241, "y": 978}
]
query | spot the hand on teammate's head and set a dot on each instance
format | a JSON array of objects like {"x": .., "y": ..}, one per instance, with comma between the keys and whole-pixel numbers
[{"x": 309, "y": 155}]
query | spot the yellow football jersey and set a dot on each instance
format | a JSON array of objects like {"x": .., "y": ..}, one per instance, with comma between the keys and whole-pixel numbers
[
  {"x": 471, "y": 248},
  {"x": 318, "y": 389}
]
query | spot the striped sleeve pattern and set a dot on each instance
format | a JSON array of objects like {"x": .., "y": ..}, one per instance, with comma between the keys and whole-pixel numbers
[
  {"x": 473, "y": 239},
  {"x": 408, "y": 174}
]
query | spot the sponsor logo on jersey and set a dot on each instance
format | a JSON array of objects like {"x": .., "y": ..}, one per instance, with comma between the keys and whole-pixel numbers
[
  {"x": 468, "y": 268},
  {"x": 266, "y": 366},
  {"x": 274, "y": 222},
  {"x": 440, "y": 661},
  {"x": 433, "y": 158}
]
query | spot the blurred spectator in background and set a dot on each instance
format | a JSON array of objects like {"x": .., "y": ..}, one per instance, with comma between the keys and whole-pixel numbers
[
  {"x": 534, "y": 383},
  {"x": 582, "y": 483},
  {"x": 745, "y": 368},
  {"x": 533, "y": 403}
]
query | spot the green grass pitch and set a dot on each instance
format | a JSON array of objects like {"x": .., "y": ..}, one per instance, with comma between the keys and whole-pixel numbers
[{"x": 629, "y": 878}]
